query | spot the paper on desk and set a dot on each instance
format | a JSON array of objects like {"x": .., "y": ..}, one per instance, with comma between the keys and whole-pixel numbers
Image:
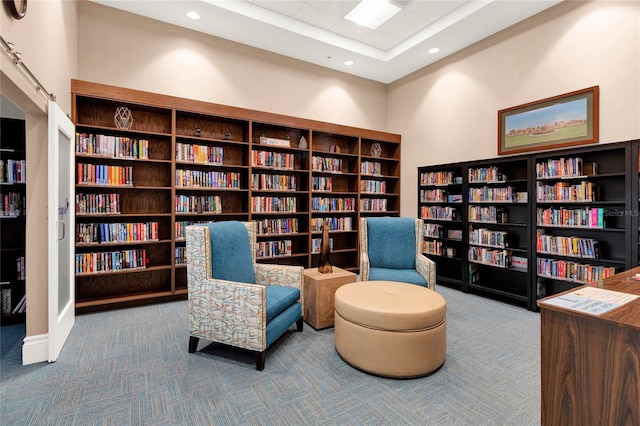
[{"x": 591, "y": 300}]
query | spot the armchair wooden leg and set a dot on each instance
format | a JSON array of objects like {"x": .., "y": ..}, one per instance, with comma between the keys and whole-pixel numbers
[
  {"x": 299, "y": 324},
  {"x": 260, "y": 356},
  {"x": 193, "y": 344}
]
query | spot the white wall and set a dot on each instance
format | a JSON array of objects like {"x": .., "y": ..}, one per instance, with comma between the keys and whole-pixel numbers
[
  {"x": 448, "y": 112},
  {"x": 126, "y": 50}
]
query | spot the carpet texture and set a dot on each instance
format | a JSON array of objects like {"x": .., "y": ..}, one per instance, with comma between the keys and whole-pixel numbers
[{"x": 131, "y": 367}]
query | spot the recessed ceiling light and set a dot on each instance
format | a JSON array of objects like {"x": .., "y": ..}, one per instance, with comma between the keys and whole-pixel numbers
[
  {"x": 193, "y": 15},
  {"x": 434, "y": 50},
  {"x": 372, "y": 13},
  {"x": 348, "y": 63}
]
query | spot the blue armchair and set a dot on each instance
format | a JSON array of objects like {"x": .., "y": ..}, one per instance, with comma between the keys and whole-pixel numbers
[
  {"x": 232, "y": 299},
  {"x": 391, "y": 250}
]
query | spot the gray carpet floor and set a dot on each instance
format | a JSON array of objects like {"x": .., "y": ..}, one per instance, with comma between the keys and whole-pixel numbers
[{"x": 131, "y": 367}]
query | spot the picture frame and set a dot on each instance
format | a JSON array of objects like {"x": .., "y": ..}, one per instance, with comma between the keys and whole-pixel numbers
[{"x": 559, "y": 121}]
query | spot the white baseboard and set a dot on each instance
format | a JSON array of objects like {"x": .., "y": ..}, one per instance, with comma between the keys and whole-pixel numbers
[{"x": 35, "y": 349}]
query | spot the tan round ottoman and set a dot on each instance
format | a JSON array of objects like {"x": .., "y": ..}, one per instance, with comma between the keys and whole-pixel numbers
[{"x": 390, "y": 329}]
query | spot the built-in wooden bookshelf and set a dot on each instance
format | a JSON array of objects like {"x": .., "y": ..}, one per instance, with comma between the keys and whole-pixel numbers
[
  {"x": 12, "y": 221},
  {"x": 185, "y": 161}
]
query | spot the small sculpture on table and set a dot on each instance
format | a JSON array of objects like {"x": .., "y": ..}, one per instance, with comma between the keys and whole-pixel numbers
[{"x": 325, "y": 252}]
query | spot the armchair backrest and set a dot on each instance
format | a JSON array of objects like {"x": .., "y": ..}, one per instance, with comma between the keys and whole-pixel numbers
[
  {"x": 391, "y": 242},
  {"x": 233, "y": 251}
]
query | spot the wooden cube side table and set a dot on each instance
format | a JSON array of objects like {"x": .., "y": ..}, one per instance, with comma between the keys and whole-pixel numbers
[{"x": 318, "y": 295}]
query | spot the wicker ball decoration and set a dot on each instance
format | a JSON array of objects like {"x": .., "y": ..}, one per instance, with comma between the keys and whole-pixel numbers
[
  {"x": 123, "y": 118},
  {"x": 376, "y": 150}
]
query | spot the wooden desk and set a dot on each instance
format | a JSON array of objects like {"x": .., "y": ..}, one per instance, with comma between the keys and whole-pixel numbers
[
  {"x": 591, "y": 364},
  {"x": 318, "y": 295}
]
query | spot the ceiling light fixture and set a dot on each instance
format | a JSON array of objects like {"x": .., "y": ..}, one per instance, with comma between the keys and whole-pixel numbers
[
  {"x": 348, "y": 63},
  {"x": 193, "y": 15},
  {"x": 433, "y": 50},
  {"x": 372, "y": 13}
]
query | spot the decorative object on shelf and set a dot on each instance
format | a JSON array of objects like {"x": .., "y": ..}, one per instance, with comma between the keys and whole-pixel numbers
[
  {"x": 273, "y": 141},
  {"x": 227, "y": 135},
  {"x": 17, "y": 8},
  {"x": 123, "y": 118},
  {"x": 303, "y": 143},
  {"x": 334, "y": 148},
  {"x": 197, "y": 132},
  {"x": 560, "y": 121},
  {"x": 376, "y": 150},
  {"x": 325, "y": 252}
]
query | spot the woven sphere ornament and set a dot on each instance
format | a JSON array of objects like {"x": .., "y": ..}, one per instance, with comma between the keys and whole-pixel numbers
[{"x": 123, "y": 118}]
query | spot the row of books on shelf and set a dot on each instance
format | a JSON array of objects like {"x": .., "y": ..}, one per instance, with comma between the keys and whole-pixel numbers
[
  {"x": 267, "y": 249},
  {"x": 179, "y": 227},
  {"x": 326, "y": 204},
  {"x": 579, "y": 218},
  {"x": 21, "y": 273},
  {"x": 273, "y": 204},
  {"x": 434, "y": 230},
  {"x": 198, "y": 204},
  {"x": 11, "y": 204},
  {"x": 565, "y": 167},
  {"x": 373, "y": 186},
  {"x": 277, "y": 226},
  {"x": 180, "y": 255},
  {"x": 111, "y": 146},
  {"x": 439, "y": 213},
  {"x": 433, "y": 247},
  {"x": 273, "y": 182},
  {"x": 326, "y": 164},
  {"x": 210, "y": 179},
  {"x": 13, "y": 171},
  {"x": 7, "y": 306},
  {"x": 488, "y": 214},
  {"x": 487, "y": 174},
  {"x": 439, "y": 178},
  {"x": 102, "y": 233},
  {"x": 97, "y": 203},
  {"x": 316, "y": 245},
  {"x": 573, "y": 271},
  {"x": 335, "y": 223},
  {"x": 371, "y": 168},
  {"x": 488, "y": 256},
  {"x": 203, "y": 154},
  {"x": 90, "y": 263},
  {"x": 505, "y": 194},
  {"x": 567, "y": 246},
  {"x": 439, "y": 196},
  {"x": 567, "y": 192},
  {"x": 488, "y": 237},
  {"x": 321, "y": 183},
  {"x": 373, "y": 204},
  {"x": 278, "y": 160},
  {"x": 102, "y": 174}
]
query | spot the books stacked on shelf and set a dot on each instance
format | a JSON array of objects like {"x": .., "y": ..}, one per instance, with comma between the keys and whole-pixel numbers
[
  {"x": 273, "y": 204},
  {"x": 6, "y": 300},
  {"x": 276, "y": 160},
  {"x": 438, "y": 212},
  {"x": 273, "y": 182},
  {"x": 488, "y": 214},
  {"x": 486, "y": 174},
  {"x": 519, "y": 262},
  {"x": 373, "y": 168},
  {"x": 572, "y": 271},
  {"x": 432, "y": 247},
  {"x": 322, "y": 183},
  {"x": 102, "y": 174},
  {"x": 102, "y": 233},
  {"x": 491, "y": 257},
  {"x": 567, "y": 246},
  {"x": 491, "y": 194},
  {"x": 454, "y": 198},
  {"x": 438, "y": 178},
  {"x": 20, "y": 271},
  {"x": 14, "y": 171},
  {"x": 316, "y": 245},
  {"x": 373, "y": 205},
  {"x": 335, "y": 223},
  {"x": 488, "y": 238},
  {"x": 567, "y": 192},
  {"x": 565, "y": 168},
  {"x": 576, "y": 218},
  {"x": 454, "y": 234},
  {"x": 433, "y": 230},
  {"x": 180, "y": 255},
  {"x": 203, "y": 154},
  {"x": 277, "y": 226},
  {"x": 325, "y": 204},
  {"x": 433, "y": 196},
  {"x": 91, "y": 263},
  {"x": 179, "y": 227},
  {"x": 100, "y": 204},
  {"x": 198, "y": 204},
  {"x": 373, "y": 186},
  {"x": 11, "y": 204},
  {"x": 268, "y": 249},
  {"x": 111, "y": 146},
  {"x": 208, "y": 179},
  {"x": 326, "y": 164}
]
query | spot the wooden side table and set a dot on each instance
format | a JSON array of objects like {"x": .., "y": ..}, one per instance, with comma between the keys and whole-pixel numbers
[{"x": 318, "y": 295}]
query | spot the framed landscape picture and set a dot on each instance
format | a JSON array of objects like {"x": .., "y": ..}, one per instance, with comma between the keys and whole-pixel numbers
[{"x": 559, "y": 121}]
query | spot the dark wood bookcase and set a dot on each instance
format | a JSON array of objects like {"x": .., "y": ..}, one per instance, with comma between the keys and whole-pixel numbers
[
  {"x": 12, "y": 220},
  {"x": 198, "y": 162},
  {"x": 537, "y": 235}
]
